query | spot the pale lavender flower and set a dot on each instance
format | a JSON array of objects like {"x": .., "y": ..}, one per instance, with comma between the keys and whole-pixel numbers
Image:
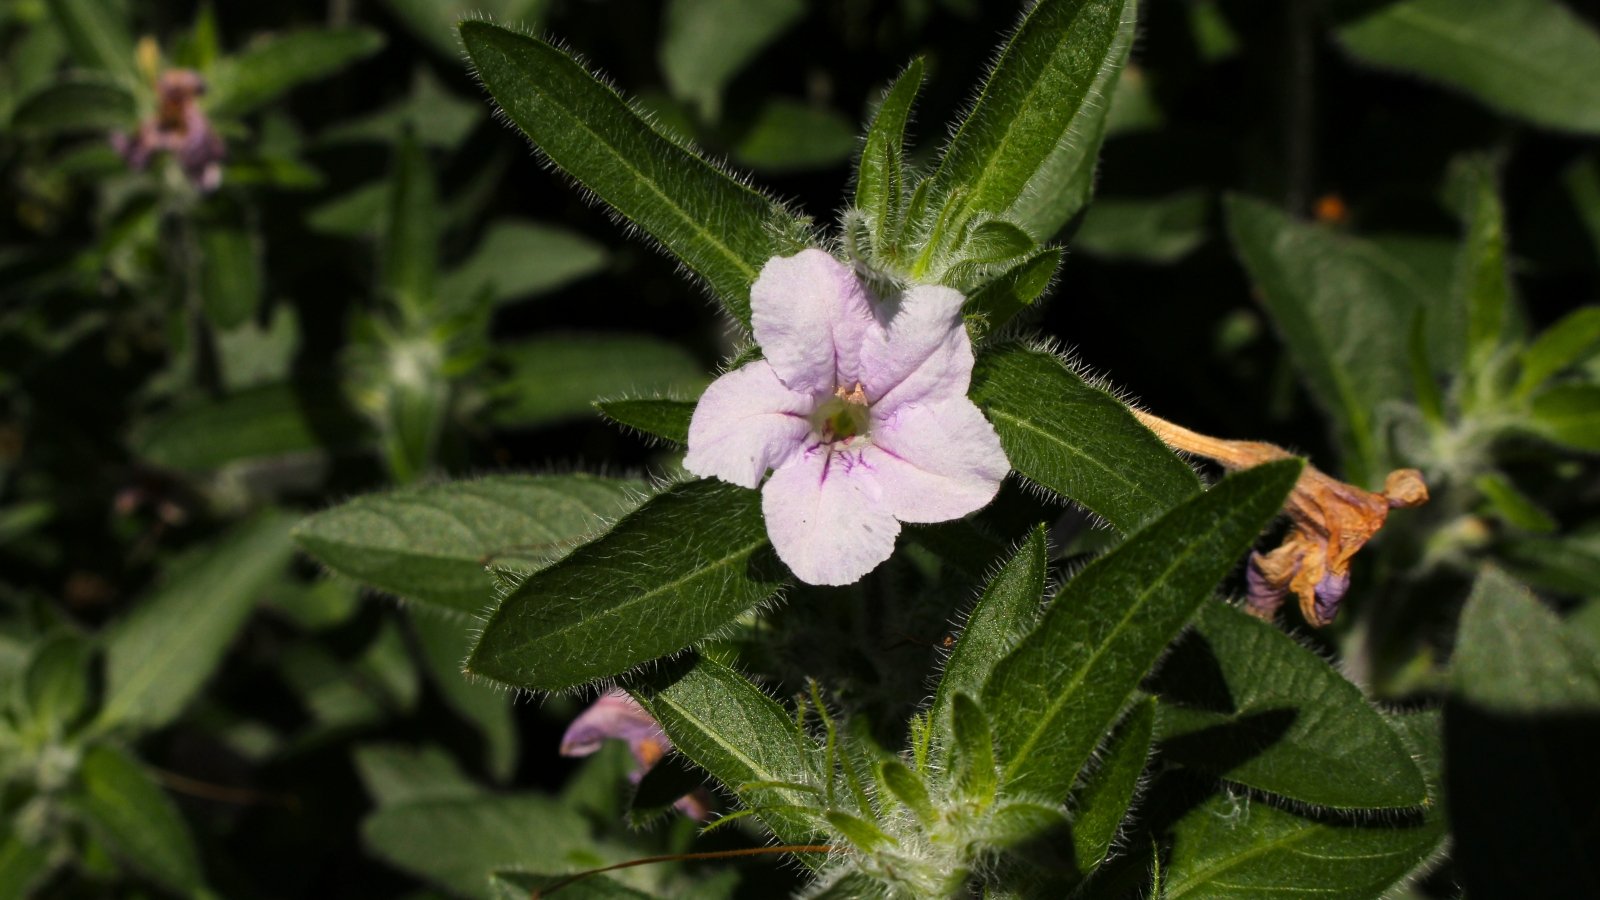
[
  {"x": 860, "y": 409},
  {"x": 179, "y": 127},
  {"x": 615, "y": 715}
]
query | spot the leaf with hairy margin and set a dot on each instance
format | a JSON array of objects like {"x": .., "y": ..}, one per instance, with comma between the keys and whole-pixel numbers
[
  {"x": 685, "y": 564},
  {"x": 1060, "y": 691}
]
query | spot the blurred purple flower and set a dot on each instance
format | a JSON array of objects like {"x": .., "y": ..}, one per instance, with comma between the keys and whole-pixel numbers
[
  {"x": 860, "y": 409},
  {"x": 617, "y": 715},
  {"x": 180, "y": 127}
]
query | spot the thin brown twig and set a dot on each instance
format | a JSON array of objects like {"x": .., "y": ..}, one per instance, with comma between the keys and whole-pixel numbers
[{"x": 205, "y": 790}]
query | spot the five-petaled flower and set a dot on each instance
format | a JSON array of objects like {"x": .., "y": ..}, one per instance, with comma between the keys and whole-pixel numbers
[
  {"x": 617, "y": 715},
  {"x": 860, "y": 410}
]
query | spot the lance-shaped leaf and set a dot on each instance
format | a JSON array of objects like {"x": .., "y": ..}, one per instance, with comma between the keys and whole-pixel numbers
[
  {"x": 706, "y": 42},
  {"x": 272, "y": 66},
  {"x": 22, "y": 866},
  {"x": 881, "y": 175},
  {"x": 1076, "y": 439},
  {"x": 1343, "y": 307},
  {"x": 1059, "y": 692},
  {"x": 1566, "y": 343},
  {"x": 1568, "y": 414},
  {"x": 1101, "y": 806},
  {"x": 410, "y": 250},
  {"x": 1532, "y": 59},
  {"x": 1006, "y": 610},
  {"x": 1242, "y": 700},
  {"x": 1482, "y": 286},
  {"x": 717, "y": 226},
  {"x": 268, "y": 421},
  {"x": 161, "y": 654},
  {"x": 675, "y": 570},
  {"x": 433, "y": 544},
  {"x": 1514, "y": 655},
  {"x": 733, "y": 730},
  {"x": 655, "y": 417},
  {"x": 1011, "y": 291},
  {"x": 229, "y": 268},
  {"x": 1022, "y": 151},
  {"x": 136, "y": 819},
  {"x": 517, "y": 260}
]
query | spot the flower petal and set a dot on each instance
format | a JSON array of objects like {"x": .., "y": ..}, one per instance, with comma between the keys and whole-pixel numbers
[
  {"x": 613, "y": 715},
  {"x": 810, "y": 313},
  {"x": 746, "y": 423},
  {"x": 922, "y": 352},
  {"x": 826, "y": 518},
  {"x": 938, "y": 461}
]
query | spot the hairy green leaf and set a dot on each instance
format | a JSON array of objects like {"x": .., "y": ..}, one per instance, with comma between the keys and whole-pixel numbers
[
  {"x": 1010, "y": 292},
  {"x": 1022, "y": 151},
  {"x": 271, "y": 67},
  {"x": 1515, "y": 655},
  {"x": 432, "y": 543},
  {"x": 1344, "y": 309},
  {"x": 1102, "y": 804},
  {"x": 410, "y": 248},
  {"x": 1244, "y": 701},
  {"x": 134, "y": 816},
  {"x": 1482, "y": 289},
  {"x": 717, "y": 226},
  {"x": 1076, "y": 439},
  {"x": 160, "y": 655},
  {"x": 1566, "y": 343},
  {"x": 1006, "y": 610},
  {"x": 1059, "y": 692},
  {"x": 881, "y": 185},
  {"x": 1532, "y": 59},
  {"x": 660, "y": 418},
  {"x": 675, "y": 570},
  {"x": 733, "y": 730},
  {"x": 558, "y": 377}
]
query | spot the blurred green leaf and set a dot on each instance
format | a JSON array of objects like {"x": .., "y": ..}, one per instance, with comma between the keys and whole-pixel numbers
[
  {"x": 881, "y": 184},
  {"x": 1243, "y": 701},
  {"x": 1568, "y": 414},
  {"x": 434, "y": 21},
  {"x": 1531, "y": 59},
  {"x": 557, "y": 378},
  {"x": 1076, "y": 439},
  {"x": 55, "y": 685},
  {"x": 1582, "y": 180},
  {"x": 230, "y": 271},
  {"x": 1515, "y": 655},
  {"x": 201, "y": 47},
  {"x": 705, "y": 43},
  {"x": 717, "y": 226},
  {"x": 432, "y": 543},
  {"x": 657, "y": 418},
  {"x": 1026, "y": 150},
  {"x": 160, "y": 655},
  {"x": 788, "y": 136},
  {"x": 267, "y": 421},
  {"x": 397, "y": 775},
  {"x": 437, "y": 116},
  {"x": 1570, "y": 563},
  {"x": 1511, "y": 504},
  {"x": 1162, "y": 230},
  {"x": 673, "y": 571},
  {"x": 97, "y": 33},
  {"x": 410, "y": 247},
  {"x": 274, "y": 65},
  {"x": 457, "y": 842},
  {"x": 1482, "y": 288},
  {"x": 353, "y": 213},
  {"x": 733, "y": 730},
  {"x": 1007, "y": 609},
  {"x": 522, "y": 885},
  {"x": 134, "y": 816},
  {"x": 22, "y": 866},
  {"x": 80, "y": 104},
  {"x": 1063, "y": 687},
  {"x": 1343, "y": 308},
  {"x": 517, "y": 259},
  {"x": 445, "y": 643},
  {"x": 1100, "y": 808},
  {"x": 1568, "y": 342}
]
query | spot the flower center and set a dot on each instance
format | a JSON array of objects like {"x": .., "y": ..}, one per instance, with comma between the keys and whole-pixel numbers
[{"x": 842, "y": 417}]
